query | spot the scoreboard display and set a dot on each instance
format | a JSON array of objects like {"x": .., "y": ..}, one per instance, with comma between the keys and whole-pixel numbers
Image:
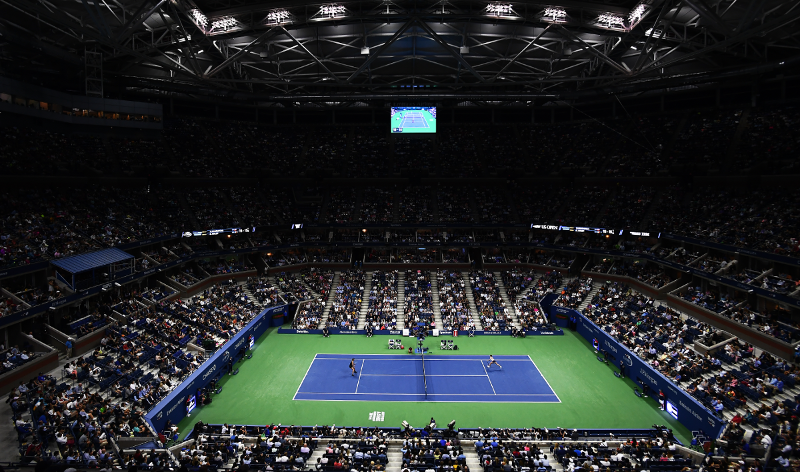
[{"x": 408, "y": 120}]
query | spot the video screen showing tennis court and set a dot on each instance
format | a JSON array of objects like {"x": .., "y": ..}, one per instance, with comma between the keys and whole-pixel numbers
[{"x": 409, "y": 120}]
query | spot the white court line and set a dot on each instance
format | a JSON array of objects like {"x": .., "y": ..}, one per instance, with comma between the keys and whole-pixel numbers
[
  {"x": 545, "y": 379},
  {"x": 304, "y": 377},
  {"x": 361, "y": 370},
  {"x": 419, "y": 375},
  {"x": 440, "y": 394},
  {"x": 487, "y": 376}
]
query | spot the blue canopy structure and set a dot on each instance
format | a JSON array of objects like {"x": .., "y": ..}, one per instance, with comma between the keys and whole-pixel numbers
[{"x": 107, "y": 262}]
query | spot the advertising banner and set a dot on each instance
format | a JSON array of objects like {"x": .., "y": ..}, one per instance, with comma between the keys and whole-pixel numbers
[
  {"x": 397, "y": 332},
  {"x": 687, "y": 409},
  {"x": 173, "y": 406}
]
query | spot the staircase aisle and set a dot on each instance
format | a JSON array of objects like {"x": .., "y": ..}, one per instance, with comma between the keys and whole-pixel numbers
[
  {"x": 471, "y": 301},
  {"x": 437, "y": 312},
  {"x": 395, "y": 457},
  {"x": 317, "y": 454},
  {"x": 501, "y": 286},
  {"x": 473, "y": 461},
  {"x": 365, "y": 297},
  {"x": 329, "y": 303},
  {"x": 401, "y": 298},
  {"x": 588, "y": 299},
  {"x": 304, "y": 284},
  {"x": 250, "y": 295}
]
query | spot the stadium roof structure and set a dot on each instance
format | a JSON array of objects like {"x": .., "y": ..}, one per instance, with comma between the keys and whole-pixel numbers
[{"x": 293, "y": 52}]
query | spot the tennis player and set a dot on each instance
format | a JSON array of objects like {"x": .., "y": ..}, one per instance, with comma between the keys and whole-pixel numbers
[
  {"x": 492, "y": 361},
  {"x": 353, "y": 366}
]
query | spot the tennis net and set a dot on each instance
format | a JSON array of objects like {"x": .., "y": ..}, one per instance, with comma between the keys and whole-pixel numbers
[{"x": 424, "y": 377}]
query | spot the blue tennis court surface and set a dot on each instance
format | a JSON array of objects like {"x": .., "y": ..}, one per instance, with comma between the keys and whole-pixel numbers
[
  {"x": 399, "y": 378},
  {"x": 414, "y": 120}
]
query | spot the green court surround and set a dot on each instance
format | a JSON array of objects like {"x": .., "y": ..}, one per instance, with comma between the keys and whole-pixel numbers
[{"x": 591, "y": 396}]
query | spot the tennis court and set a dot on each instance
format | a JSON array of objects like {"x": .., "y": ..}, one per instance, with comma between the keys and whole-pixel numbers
[
  {"x": 413, "y": 378},
  {"x": 414, "y": 119}
]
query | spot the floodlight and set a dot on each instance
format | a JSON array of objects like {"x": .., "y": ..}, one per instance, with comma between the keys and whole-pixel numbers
[
  {"x": 224, "y": 24},
  {"x": 636, "y": 14},
  {"x": 499, "y": 9},
  {"x": 278, "y": 16},
  {"x": 365, "y": 51},
  {"x": 199, "y": 18},
  {"x": 331, "y": 10},
  {"x": 555, "y": 14},
  {"x": 609, "y": 20}
]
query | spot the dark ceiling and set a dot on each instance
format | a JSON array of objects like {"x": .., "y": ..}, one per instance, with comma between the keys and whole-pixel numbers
[{"x": 355, "y": 52}]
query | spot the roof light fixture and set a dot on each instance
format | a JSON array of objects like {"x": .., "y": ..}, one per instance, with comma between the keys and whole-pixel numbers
[
  {"x": 609, "y": 20},
  {"x": 331, "y": 11},
  {"x": 499, "y": 9},
  {"x": 555, "y": 14},
  {"x": 636, "y": 14},
  {"x": 278, "y": 16},
  {"x": 199, "y": 18},
  {"x": 224, "y": 23}
]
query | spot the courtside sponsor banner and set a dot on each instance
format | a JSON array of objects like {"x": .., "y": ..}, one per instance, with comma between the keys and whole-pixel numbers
[
  {"x": 691, "y": 413},
  {"x": 171, "y": 407},
  {"x": 397, "y": 332}
]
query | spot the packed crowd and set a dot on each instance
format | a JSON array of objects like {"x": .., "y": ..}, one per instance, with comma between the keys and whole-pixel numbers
[
  {"x": 15, "y": 357},
  {"x": 382, "y": 308},
  {"x": 662, "y": 337},
  {"x": 453, "y": 303},
  {"x": 415, "y": 205},
  {"x": 137, "y": 363},
  {"x": 292, "y": 286},
  {"x": 549, "y": 282},
  {"x": 706, "y": 137},
  {"x": 263, "y": 291},
  {"x": 319, "y": 280},
  {"x": 492, "y": 309},
  {"x": 651, "y": 274},
  {"x": 186, "y": 278},
  {"x": 377, "y": 205},
  {"x": 574, "y": 292},
  {"x": 454, "y": 204},
  {"x": 517, "y": 282},
  {"x": 347, "y": 300},
  {"x": 309, "y": 314},
  {"x": 418, "y": 299},
  {"x": 775, "y": 322}
]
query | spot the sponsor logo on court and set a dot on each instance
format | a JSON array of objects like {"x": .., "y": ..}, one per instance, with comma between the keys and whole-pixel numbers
[
  {"x": 647, "y": 375},
  {"x": 628, "y": 360},
  {"x": 169, "y": 412},
  {"x": 210, "y": 371},
  {"x": 686, "y": 407},
  {"x": 377, "y": 416}
]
